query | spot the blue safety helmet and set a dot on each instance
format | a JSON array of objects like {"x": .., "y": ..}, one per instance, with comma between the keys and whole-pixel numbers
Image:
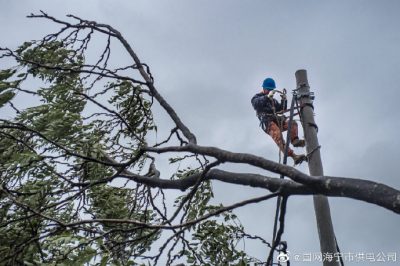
[{"x": 268, "y": 84}]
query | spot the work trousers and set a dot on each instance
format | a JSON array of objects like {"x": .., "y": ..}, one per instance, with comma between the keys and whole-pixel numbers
[{"x": 276, "y": 134}]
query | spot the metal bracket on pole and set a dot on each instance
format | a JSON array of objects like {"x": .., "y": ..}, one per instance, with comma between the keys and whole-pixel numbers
[{"x": 309, "y": 94}]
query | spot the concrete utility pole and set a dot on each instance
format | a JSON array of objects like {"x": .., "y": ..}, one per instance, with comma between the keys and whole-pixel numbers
[{"x": 321, "y": 204}]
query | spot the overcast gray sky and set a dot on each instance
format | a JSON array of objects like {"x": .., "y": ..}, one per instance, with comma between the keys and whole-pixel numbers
[{"x": 210, "y": 57}]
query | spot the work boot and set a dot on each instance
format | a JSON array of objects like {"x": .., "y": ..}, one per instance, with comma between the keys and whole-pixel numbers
[
  {"x": 298, "y": 143},
  {"x": 298, "y": 159}
]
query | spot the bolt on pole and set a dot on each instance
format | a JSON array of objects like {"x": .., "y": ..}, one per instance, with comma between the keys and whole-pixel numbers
[{"x": 321, "y": 204}]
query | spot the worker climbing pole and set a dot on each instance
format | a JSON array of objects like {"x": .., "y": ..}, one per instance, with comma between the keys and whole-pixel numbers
[{"x": 273, "y": 122}]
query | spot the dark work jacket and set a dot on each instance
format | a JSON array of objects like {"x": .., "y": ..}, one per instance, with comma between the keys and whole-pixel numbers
[{"x": 266, "y": 108}]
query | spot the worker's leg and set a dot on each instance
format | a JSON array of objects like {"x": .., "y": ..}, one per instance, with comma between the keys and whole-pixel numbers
[
  {"x": 294, "y": 132},
  {"x": 294, "y": 136},
  {"x": 276, "y": 134}
]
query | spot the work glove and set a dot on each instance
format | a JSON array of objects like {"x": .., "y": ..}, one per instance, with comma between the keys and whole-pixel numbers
[{"x": 271, "y": 94}]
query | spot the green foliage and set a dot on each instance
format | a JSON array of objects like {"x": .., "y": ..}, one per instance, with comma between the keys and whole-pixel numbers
[
  {"x": 65, "y": 198},
  {"x": 45, "y": 151},
  {"x": 6, "y": 93},
  {"x": 50, "y": 61},
  {"x": 6, "y": 74},
  {"x": 66, "y": 248},
  {"x": 217, "y": 242},
  {"x": 5, "y": 97},
  {"x": 132, "y": 108},
  {"x": 214, "y": 241}
]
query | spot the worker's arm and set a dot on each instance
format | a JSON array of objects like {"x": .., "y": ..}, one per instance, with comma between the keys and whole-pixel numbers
[{"x": 259, "y": 101}]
